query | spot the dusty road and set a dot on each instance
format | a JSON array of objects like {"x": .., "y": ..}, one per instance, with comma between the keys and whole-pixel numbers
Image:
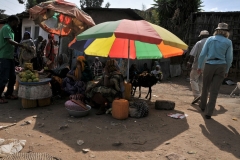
[{"x": 153, "y": 137}]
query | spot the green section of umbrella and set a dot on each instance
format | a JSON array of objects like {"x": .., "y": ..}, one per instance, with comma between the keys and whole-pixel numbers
[
  {"x": 103, "y": 30},
  {"x": 147, "y": 51}
]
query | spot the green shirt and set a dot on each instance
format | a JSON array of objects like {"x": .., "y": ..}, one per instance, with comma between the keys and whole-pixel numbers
[{"x": 6, "y": 49}]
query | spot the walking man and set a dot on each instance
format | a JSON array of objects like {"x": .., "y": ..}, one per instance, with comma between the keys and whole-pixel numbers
[
  {"x": 7, "y": 66},
  {"x": 195, "y": 78},
  {"x": 219, "y": 52}
]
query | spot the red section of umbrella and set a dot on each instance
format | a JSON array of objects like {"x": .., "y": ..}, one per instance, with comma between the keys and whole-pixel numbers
[{"x": 137, "y": 30}]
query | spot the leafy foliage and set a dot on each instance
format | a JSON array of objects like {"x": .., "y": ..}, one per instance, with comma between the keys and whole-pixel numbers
[
  {"x": 173, "y": 14},
  {"x": 150, "y": 15},
  {"x": 93, "y": 3},
  {"x": 2, "y": 15},
  {"x": 31, "y": 3}
]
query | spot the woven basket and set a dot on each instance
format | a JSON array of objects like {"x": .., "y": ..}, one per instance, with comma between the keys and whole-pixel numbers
[
  {"x": 30, "y": 156},
  {"x": 44, "y": 102},
  {"x": 26, "y": 103}
]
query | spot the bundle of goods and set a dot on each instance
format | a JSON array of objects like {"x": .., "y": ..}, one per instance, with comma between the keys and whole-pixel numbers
[
  {"x": 28, "y": 66},
  {"x": 29, "y": 76},
  {"x": 18, "y": 69}
]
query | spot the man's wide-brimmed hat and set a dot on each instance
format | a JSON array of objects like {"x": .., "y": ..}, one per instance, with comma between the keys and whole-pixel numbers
[
  {"x": 222, "y": 26},
  {"x": 204, "y": 33}
]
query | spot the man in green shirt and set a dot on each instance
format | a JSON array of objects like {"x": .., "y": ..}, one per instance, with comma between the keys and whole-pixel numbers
[{"x": 7, "y": 66}]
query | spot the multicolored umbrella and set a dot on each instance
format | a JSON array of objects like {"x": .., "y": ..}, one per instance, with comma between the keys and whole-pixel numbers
[
  {"x": 129, "y": 39},
  {"x": 70, "y": 19}
]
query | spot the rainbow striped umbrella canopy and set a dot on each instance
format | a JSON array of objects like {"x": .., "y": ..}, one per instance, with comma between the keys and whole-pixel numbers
[{"x": 129, "y": 39}]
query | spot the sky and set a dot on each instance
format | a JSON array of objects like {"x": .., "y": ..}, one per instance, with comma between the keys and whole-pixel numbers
[{"x": 13, "y": 7}]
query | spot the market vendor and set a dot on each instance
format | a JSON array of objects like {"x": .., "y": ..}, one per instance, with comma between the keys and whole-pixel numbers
[
  {"x": 75, "y": 82},
  {"x": 108, "y": 88},
  {"x": 59, "y": 73},
  {"x": 7, "y": 66}
]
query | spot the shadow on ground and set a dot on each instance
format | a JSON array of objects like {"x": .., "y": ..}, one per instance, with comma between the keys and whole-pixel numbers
[{"x": 98, "y": 132}]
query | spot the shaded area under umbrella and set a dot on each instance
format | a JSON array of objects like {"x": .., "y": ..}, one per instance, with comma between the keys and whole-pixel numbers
[{"x": 129, "y": 39}]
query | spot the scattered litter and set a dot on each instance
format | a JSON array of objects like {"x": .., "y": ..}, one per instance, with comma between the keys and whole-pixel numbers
[
  {"x": 191, "y": 152},
  {"x": 177, "y": 115},
  {"x": 135, "y": 121},
  {"x": 98, "y": 127},
  {"x": 26, "y": 123},
  {"x": 109, "y": 111},
  {"x": 71, "y": 121},
  {"x": 63, "y": 127},
  {"x": 118, "y": 143},
  {"x": 11, "y": 146},
  {"x": 174, "y": 156},
  {"x": 92, "y": 156},
  {"x": 85, "y": 150},
  {"x": 167, "y": 143},
  {"x": 35, "y": 116},
  {"x": 80, "y": 142},
  {"x": 155, "y": 95},
  {"x": 10, "y": 125},
  {"x": 140, "y": 143},
  {"x": 235, "y": 119},
  {"x": 115, "y": 124},
  {"x": 40, "y": 125},
  {"x": 10, "y": 117}
]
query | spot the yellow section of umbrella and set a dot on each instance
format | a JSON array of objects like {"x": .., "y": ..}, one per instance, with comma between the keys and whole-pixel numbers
[
  {"x": 169, "y": 38},
  {"x": 100, "y": 47}
]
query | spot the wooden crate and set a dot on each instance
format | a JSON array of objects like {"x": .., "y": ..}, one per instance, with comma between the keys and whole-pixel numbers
[
  {"x": 44, "y": 102},
  {"x": 26, "y": 103}
]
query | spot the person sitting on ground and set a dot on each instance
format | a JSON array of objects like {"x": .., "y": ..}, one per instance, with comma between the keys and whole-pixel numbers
[
  {"x": 76, "y": 80},
  {"x": 145, "y": 68},
  {"x": 157, "y": 73},
  {"x": 96, "y": 68},
  {"x": 133, "y": 71},
  {"x": 110, "y": 87},
  {"x": 58, "y": 74},
  {"x": 25, "y": 56}
]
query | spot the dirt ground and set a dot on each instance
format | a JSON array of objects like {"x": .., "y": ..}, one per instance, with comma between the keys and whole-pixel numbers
[{"x": 153, "y": 137}]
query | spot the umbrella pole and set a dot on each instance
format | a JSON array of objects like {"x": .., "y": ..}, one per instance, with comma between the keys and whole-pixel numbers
[
  {"x": 128, "y": 60},
  {"x": 60, "y": 36}
]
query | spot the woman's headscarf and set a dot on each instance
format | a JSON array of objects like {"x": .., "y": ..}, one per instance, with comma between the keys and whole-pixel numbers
[
  {"x": 82, "y": 61},
  {"x": 112, "y": 66}
]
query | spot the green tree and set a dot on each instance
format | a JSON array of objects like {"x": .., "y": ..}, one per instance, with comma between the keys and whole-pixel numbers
[
  {"x": 150, "y": 14},
  {"x": 93, "y": 3},
  {"x": 31, "y": 3},
  {"x": 174, "y": 14},
  {"x": 2, "y": 15}
]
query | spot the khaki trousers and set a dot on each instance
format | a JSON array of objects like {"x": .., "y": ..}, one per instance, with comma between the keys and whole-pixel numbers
[
  {"x": 213, "y": 76},
  {"x": 196, "y": 83}
]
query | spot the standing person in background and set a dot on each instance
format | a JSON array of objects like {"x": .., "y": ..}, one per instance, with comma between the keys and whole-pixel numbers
[
  {"x": 195, "y": 78},
  {"x": 219, "y": 51},
  {"x": 40, "y": 46},
  {"x": 145, "y": 68},
  {"x": 97, "y": 68},
  {"x": 26, "y": 56},
  {"x": 7, "y": 66},
  {"x": 50, "y": 54}
]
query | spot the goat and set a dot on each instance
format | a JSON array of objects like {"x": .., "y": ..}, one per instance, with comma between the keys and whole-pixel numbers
[{"x": 143, "y": 80}]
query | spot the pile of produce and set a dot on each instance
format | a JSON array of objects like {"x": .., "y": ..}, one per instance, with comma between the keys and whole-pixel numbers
[{"x": 28, "y": 76}]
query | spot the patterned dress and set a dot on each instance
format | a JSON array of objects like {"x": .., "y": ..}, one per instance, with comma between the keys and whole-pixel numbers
[
  {"x": 77, "y": 87},
  {"x": 111, "y": 91}
]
